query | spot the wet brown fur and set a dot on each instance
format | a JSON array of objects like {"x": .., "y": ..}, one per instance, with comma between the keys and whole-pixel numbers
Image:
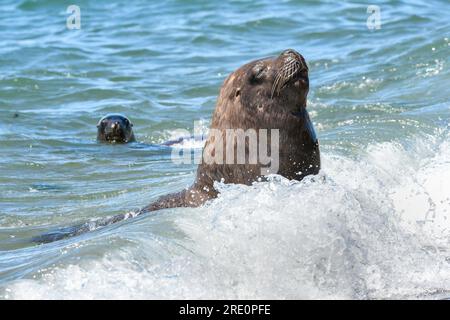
[{"x": 264, "y": 94}]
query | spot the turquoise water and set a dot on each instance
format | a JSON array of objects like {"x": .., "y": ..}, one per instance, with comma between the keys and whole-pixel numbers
[{"x": 373, "y": 224}]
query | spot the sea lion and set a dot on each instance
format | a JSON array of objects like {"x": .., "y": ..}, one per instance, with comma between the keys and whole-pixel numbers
[
  {"x": 266, "y": 94},
  {"x": 115, "y": 128},
  {"x": 269, "y": 93}
]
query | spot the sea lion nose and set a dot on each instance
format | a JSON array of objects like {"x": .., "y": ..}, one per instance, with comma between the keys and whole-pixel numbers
[
  {"x": 290, "y": 52},
  {"x": 115, "y": 125}
]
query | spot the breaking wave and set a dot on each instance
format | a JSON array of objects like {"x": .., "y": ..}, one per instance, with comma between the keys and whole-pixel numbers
[{"x": 371, "y": 226}]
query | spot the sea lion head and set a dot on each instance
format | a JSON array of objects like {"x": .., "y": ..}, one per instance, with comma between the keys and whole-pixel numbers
[
  {"x": 115, "y": 128},
  {"x": 263, "y": 101},
  {"x": 268, "y": 87}
]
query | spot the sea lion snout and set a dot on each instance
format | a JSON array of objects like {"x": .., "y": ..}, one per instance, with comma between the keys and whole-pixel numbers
[
  {"x": 115, "y": 125},
  {"x": 115, "y": 128},
  {"x": 291, "y": 52},
  {"x": 291, "y": 69}
]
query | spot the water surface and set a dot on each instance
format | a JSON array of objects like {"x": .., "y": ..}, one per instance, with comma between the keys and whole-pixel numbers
[{"x": 373, "y": 224}]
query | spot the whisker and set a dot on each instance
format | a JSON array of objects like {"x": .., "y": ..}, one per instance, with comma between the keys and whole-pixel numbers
[
  {"x": 275, "y": 84},
  {"x": 286, "y": 74}
]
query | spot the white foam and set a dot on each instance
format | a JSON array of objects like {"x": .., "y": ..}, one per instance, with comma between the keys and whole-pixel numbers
[
  {"x": 360, "y": 84},
  {"x": 189, "y": 140},
  {"x": 350, "y": 232}
]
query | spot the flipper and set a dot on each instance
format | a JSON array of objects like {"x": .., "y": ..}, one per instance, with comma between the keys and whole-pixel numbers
[
  {"x": 186, "y": 198},
  {"x": 67, "y": 232}
]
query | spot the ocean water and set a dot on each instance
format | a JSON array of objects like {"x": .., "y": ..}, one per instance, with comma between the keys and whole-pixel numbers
[{"x": 372, "y": 225}]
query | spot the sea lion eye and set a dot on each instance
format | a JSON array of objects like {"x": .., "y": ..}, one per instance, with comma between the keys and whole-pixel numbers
[
  {"x": 257, "y": 74},
  {"x": 101, "y": 123}
]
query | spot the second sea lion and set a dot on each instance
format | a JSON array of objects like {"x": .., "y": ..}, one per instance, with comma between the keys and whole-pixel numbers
[{"x": 115, "y": 128}]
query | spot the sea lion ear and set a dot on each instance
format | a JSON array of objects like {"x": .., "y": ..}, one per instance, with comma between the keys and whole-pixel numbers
[{"x": 237, "y": 92}]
